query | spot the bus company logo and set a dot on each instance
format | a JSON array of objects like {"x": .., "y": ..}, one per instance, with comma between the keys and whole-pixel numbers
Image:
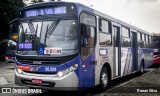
[
  {"x": 37, "y": 62},
  {"x": 6, "y": 90},
  {"x": 53, "y": 51},
  {"x": 34, "y": 69}
]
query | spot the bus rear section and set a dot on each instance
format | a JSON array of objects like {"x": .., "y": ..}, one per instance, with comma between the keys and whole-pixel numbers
[{"x": 156, "y": 49}]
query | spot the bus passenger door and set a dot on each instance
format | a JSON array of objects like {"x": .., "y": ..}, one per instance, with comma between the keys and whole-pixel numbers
[
  {"x": 88, "y": 40},
  {"x": 88, "y": 58},
  {"x": 116, "y": 52},
  {"x": 134, "y": 51}
]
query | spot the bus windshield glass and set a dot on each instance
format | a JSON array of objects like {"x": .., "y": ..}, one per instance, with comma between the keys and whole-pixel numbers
[{"x": 51, "y": 37}]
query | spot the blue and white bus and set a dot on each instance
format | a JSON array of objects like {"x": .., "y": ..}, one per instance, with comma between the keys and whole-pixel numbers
[{"x": 69, "y": 46}]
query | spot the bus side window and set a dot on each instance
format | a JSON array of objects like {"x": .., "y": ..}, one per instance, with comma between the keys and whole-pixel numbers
[
  {"x": 87, "y": 40},
  {"x": 91, "y": 36},
  {"x": 87, "y": 35},
  {"x": 105, "y": 33},
  {"x": 83, "y": 33},
  {"x": 126, "y": 37}
]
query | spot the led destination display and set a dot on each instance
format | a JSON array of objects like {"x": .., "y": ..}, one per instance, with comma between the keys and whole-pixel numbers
[{"x": 46, "y": 11}]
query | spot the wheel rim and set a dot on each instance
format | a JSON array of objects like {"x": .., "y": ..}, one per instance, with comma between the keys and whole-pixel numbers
[{"x": 104, "y": 80}]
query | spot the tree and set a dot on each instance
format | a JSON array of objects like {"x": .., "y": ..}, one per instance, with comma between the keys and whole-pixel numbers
[{"x": 8, "y": 12}]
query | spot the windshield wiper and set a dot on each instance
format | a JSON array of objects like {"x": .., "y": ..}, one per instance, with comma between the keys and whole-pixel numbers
[
  {"x": 46, "y": 35},
  {"x": 31, "y": 27},
  {"x": 34, "y": 35},
  {"x": 52, "y": 28}
]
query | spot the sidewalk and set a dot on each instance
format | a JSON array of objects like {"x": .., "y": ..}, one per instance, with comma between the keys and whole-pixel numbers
[{"x": 6, "y": 73}]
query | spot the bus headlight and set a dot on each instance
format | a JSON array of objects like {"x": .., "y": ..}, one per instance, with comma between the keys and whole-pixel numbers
[
  {"x": 60, "y": 74},
  {"x": 19, "y": 71},
  {"x": 67, "y": 71}
]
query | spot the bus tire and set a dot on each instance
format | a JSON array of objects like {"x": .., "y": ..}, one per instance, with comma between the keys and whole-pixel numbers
[
  {"x": 104, "y": 79},
  {"x": 142, "y": 68}
]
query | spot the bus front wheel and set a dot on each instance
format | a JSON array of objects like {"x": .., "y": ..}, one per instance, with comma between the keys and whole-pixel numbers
[{"x": 104, "y": 79}]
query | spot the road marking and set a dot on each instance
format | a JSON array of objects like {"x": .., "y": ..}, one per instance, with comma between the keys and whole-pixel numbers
[{"x": 129, "y": 80}]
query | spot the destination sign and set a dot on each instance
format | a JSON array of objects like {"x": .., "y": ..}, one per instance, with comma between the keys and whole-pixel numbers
[{"x": 46, "y": 11}]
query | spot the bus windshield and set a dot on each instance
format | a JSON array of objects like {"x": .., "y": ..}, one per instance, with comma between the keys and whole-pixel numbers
[{"x": 51, "y": 37}]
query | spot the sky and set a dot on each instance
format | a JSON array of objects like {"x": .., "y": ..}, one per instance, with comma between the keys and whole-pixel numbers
[{"x": 144, "y": 14}]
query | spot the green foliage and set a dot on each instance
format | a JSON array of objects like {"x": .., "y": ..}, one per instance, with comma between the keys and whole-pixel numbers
[
  {"x": 9, "y": 8},
  {"x": 8, "y": 12},
  {"x": 3, "y": 42}
]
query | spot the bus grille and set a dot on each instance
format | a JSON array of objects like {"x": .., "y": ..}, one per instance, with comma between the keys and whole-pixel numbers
[
  {"x": 46, "y": 73},
  {"x": 38, "y": 62}
]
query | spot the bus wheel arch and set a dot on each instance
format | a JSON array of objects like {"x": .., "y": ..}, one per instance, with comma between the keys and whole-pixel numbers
[{"x": 105, "y": 76}]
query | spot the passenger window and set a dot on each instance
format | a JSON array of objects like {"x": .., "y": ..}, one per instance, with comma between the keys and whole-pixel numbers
[
  {"x": 126, "y": 37},
  {"x": 125, "y": 32},
  {"x": 126, "y": 42},
  {"x": 105, "y": 39},
  {"x": 138, "y": 36},
  {"x": 105, "y": 33},
  {"x": 104, "y": 26}
]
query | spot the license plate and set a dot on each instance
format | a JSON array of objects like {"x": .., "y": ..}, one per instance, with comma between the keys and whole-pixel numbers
[{"x": 36, "y": 81}]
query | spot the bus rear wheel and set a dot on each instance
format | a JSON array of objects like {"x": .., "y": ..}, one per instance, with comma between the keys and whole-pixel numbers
[{"x": 104, "y": 79}]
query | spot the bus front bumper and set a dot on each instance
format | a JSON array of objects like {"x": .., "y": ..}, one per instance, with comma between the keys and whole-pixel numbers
[{"x": 68, "y": 82}]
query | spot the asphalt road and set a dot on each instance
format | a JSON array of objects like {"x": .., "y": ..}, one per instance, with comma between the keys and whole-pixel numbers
[{"x": 147, "y": 84}]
